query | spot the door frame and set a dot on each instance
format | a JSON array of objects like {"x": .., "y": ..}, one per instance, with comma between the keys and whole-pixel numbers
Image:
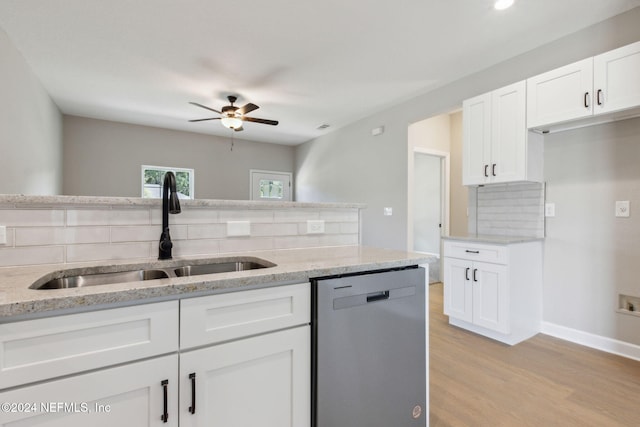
[{"x": 445, "y": 167}]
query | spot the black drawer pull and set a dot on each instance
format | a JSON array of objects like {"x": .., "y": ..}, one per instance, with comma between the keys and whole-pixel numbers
[
  {"x": 475, "y": 270},
  {"x": 165, "y": 416},
  {"x": 466, "y": 273},
  {"x": 471, "y": 252},
  {"x": 192, "y": 377}
]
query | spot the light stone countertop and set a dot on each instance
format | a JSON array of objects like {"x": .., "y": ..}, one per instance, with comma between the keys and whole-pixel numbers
[
  {"x": 18, "y": 302},
  {"x": 493, "y": 239},
  {"x": 18, "y": 200}
]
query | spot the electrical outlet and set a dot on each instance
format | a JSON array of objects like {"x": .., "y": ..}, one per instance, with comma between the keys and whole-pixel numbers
[
  {"x": 622, "y": 209},
  {"x": 315, "y": 226},
  {"x": 3, "y": 235}
]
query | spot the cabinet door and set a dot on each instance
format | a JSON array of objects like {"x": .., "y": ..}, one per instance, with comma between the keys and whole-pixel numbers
[
  {"x": 130, "y": 395},
  {"x": 260, "y": 381},
  {"x": 458, "y": 298},
  {"x": 617, "y": 79},
  {"x": 490, "y": 296},
  {"x": 476, "y": 152},
  {"x": 560, "y": 95},
  {"x": 508, "y": 134}
]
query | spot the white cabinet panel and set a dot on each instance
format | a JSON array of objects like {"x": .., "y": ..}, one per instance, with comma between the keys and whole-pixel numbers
[
  {"x": 34, "y": 350},
  {"x": 509, "y": 134},
  {"x": 131, "y": 395},
  {"x": 218, "y": 318},
  {"x": 260, "y": 381},
  {"x": 491, "y": 297},
  {"x": 617, "y": 79},
  {"x": 458, "y": 295},
  {"x": 476, "y": 139},
  {"x": 563, "y": 94}
]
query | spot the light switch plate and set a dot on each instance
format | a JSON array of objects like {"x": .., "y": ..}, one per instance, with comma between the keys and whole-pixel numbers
[
  {"x": 3, "y": 235},
  {"x": 238, "y": 228},
  {"x": 622, "y": 209},
  {"x": 388, "y": 211},
  {"x": 315, "y": 226},
  {"x": 549, "y": 209}
]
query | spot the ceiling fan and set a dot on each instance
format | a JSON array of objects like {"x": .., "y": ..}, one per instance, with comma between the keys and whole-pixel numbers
[{"x": 232, "y": 116}]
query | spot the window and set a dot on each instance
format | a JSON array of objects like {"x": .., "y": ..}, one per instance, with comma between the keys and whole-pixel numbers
[
  {"x": 270, "y": 185},
  {"x": 153, "y": 176}
]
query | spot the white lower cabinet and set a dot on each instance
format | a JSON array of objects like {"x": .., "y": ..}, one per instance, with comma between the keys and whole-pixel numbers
[
  {"x": 246, "y": 362},
  {"x": 128, "y": 395},
  {"x": 494, "y": 290},
  {"x": 259, "y": 381}
]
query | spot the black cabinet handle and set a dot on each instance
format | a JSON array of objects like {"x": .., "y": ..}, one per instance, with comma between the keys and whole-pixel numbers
[
  {"x": 192, "y": 377},
  {"x": 471, "y": 252},
  {"x": 586, "y": 100},
  {"x": 598, "y": 96},
  {"x": 466, "y": 273},
  {"x": 485, "y": 171},
  {"x": 475, "y": 270},
  {"x": 165, "y": 416},
  {"x": 493, "y": 169}
]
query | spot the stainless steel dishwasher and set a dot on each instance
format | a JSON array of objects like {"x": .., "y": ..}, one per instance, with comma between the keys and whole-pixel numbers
[{"x": 369, "y": 350}]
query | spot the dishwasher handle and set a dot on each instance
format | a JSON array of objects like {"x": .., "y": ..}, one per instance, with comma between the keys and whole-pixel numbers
[{"x": 378, "y": 296}]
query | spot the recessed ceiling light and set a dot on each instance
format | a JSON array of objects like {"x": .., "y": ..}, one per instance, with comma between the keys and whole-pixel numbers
[{"x": 503, "y": 4}]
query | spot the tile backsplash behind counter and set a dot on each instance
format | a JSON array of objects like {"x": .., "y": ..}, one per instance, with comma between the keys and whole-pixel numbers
[{"x": 66, "y": 229}]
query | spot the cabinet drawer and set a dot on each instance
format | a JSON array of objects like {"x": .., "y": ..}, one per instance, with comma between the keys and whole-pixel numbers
[
  {"x": 224, "y": 317},
  {"x": 34, "y": 350},
  {"x": 496, "y": 254}
]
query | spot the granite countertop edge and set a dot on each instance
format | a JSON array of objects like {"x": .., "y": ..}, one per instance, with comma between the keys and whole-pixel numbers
[{"x": 18, "y": 302}]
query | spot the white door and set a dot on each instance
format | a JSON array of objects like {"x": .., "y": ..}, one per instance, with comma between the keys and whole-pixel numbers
[
  {"x": 508, "y": 133},
  {"x": 616, "y": 79},
  {"x": 476, "y": 129},
  {"x": 427, "y": 203},
  {"x": 560, "y": 95},
  {"x": 270, "y": 185},
  {"x": 490, "y": 296},
  {"x": 261, "y": 381},
  {"x": 130, "y": 395},
  {"x": 458, "y": 298}
]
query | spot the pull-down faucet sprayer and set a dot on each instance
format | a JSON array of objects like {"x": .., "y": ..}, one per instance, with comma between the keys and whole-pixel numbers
[{"x": 170, "y": 205}]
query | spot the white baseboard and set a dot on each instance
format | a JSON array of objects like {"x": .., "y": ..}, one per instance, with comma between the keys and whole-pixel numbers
[{"x": 598, "y": 342}]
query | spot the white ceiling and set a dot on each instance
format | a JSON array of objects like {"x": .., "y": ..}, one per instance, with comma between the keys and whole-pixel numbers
[{"x": 303, "y": 62}]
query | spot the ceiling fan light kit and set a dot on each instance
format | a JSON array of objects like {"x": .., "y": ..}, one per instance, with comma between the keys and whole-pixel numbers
[{"x": 232, "y": 117}]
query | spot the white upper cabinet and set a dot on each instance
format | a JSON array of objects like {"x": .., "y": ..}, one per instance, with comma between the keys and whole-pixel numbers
[
  {"x": 560, "y": 95},
  {"x": 616, "y": 79},
  {"x": 586, "y": 92},
  {"x": 496, "y": 146}
]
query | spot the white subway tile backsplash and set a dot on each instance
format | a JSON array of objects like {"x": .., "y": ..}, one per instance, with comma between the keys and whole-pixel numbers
[
  {"x": 103, "y": 252},
  {"x": 77, "y": 233},
  {"x": 32, "y": 236},
  {"x": 32, "y": 217},
  {"x": 31, "y": 255}
]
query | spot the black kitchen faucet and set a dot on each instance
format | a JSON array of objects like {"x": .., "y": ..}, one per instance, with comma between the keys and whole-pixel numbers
[{"x": 170, "y": 205}]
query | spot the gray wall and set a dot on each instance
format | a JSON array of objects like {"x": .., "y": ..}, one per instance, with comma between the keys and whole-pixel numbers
[
  {"x": 590, "y": 255},
  {"x": 30, "y": 129},
  {"x": 376, "y": 167},
  {"x": 103, "y": 158}
]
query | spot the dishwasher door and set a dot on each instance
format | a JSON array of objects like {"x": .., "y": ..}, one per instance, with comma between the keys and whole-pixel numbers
[{"x": 370, "y": 354}]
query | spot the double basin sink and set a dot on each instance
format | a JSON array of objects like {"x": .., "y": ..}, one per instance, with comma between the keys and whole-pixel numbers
[{"x": 106, "y": 275}]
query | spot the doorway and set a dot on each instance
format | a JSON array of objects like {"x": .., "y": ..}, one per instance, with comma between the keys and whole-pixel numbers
[{"x": 429, "y": 205}]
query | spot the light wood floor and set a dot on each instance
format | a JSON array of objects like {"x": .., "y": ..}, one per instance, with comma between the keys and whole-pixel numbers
[{"x": 544, "y": 381}]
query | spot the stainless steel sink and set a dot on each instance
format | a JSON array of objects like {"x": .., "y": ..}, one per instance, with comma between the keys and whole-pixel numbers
[
  {"x": 95, "y": 276},
  {"x": 73, "y": 281},
  {"x": 220, "y": 267}
]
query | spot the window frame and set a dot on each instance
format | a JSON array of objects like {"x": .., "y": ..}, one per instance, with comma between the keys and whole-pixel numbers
[{"x": 165, "y": 169}]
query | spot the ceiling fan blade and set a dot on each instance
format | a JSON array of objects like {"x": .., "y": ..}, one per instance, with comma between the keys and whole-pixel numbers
[
  {"x": 239, "y": 129},
  {"x": 205, "y": 107},
  {"x": 247, "y": 108},
  {"x": 202, "y": 120},
  {"x": 263, "y": 121}
]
